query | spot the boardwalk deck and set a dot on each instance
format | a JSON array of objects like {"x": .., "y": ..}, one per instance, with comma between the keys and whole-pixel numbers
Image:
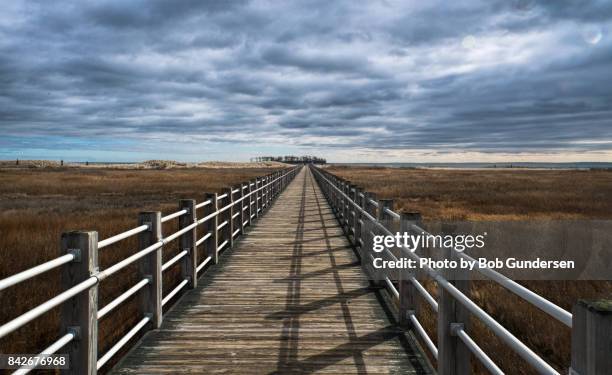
[{"x": 290, "y": 297}]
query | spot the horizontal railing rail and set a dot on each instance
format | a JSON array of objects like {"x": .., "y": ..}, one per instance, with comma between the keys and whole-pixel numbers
[
  {"x": 225, "y": 218},
  {"x": 354, "y": 208}
]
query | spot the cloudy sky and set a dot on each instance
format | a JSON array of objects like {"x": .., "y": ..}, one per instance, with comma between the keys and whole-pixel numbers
[{"x": 348, "y": 80}]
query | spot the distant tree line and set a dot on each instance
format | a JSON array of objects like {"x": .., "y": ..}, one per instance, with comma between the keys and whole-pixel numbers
[{"x": 290, "y": 159}]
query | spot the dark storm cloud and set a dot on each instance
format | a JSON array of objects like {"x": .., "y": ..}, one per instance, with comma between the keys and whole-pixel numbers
[{"x": 509, "y": 76}]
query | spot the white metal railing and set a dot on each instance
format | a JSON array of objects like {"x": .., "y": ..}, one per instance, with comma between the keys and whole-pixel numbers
[
  {"x": 123, "y": 297},
  {"x": 352, "y": 215},
  {"x": 35, "y": 271},
  {"x": 83, "y": 258}
]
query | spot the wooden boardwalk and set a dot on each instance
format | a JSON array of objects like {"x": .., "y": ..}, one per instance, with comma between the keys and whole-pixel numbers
[{"x": 290, "y": 297}]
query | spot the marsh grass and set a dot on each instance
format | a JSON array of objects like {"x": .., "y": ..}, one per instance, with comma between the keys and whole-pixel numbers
[
  {"x": 37, "y": 205},
  {"x": 502, "y": 195}
]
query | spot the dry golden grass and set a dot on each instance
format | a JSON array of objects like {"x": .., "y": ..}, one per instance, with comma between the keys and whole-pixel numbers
[
  {"x": 502, "y": 195},
  {"x": 37, "y": 205}
]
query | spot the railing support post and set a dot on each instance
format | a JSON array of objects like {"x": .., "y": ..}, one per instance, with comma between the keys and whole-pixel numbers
[
  {"x": 352, "y": 213},
  {"x": 591, "y": 337},
  {"x": 241, "y": 196},
  {"x": 408, "y": 300},
  {"x": 150, "y": 267},
  {"x": 257, "y": 195},
  {"x": 453, "y": 355},
  {"x": 250, "y": 201},
  {"x": 358, "y": 217},
  {"x": 383, "y": 218},
  {"x": 263, "y": 194},
  {"x": 230, "y": 218},
  {"x": 211, "y": 226},
  {"x": 267, "y": 189},
  {"x": 187, "y": 242},
  {"x": 274, "y": 184},
  {"x": 346, "y": 207},
  {"x": 365, "y": 230},
  {"x": 382, "y": 205},
  {"x": 339, "y": 200},
  {"x": 79, "y": 315}
]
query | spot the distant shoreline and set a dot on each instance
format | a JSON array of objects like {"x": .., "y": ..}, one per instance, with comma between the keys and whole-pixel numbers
[
  {"x": 149, "y": 164},
  {"x": 171, "y": 164},
  {"x": 487, "y": 166}
]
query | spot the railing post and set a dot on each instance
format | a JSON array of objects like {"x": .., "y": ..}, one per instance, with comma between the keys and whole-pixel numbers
[
  {"x": 334, "y": 196},
  {"x": 79, "y": 315},
  {"x": 274, "y": 185},
  {"x": 340, "y": 200},
  {"x": 187, "y": 242},
  {"x": 348, "y": 207},
  {"x": 382, "y": 218},
  {"x": 382, "y": 205},
  {"x": 365, "y": 230},
  {"x": 230, "y": 214},
  {"x": 344, "y": 206},
  {"x": 268, "y": 191},
  {"x": 453, "y": 355},
  {"x": 150, "y": 267},
  {"x": 352, "y": 213},
  {"x": 257, "y": 193},
  {"x": 263, "y": 193},
  {"x": 242, "y": 205},
  {"x": 345, "y": 210},
  {"x": 592, "y": 337},
  {"x": 358, "y": 217},
  {"x": 211, "y": 226},
  {"x": 251, "y": 200},
  {"x": 408, "y": 300}
]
